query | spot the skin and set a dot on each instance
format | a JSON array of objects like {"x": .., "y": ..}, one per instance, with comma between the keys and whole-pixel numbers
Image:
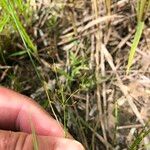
[{"x": 18, "y": 113}]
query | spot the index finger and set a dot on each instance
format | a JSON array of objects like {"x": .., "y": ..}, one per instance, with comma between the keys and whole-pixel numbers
[{"x": 16, "y": 112}]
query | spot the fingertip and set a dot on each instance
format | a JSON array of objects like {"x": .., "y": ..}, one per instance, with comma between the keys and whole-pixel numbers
[{"x": 68, "y": 144}]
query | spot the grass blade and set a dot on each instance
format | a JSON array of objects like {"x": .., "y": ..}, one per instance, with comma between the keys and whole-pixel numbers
[
  {"x": 139, "y": 138},
  {"x": 134, "y": 45},
  {"x": 3, "y": 22},
  {"x": 34, "y": 137},
  {"x": 8, "y": 6}
]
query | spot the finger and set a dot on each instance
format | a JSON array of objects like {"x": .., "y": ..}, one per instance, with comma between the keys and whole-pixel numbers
[
  {"x": 19, "y": 140},
  {"x": 18, "y": 111}
]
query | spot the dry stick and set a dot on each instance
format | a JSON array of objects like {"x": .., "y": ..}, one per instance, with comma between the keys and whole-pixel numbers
[
  {"x": 106, "y": 143},
  {"x": 123, "y": 41},
  {"x": 122, "y": 86},
  {"x": 69, "y": 37},
  {"x": 80, "y": 127},
  {"x": 98, "y": 36},
  {"x": 102, "y": 140},
  {"x": 129, "y": 126},
  {"x": 132, "y": 71},
  {"x": 87, "y": 106},
  {"x": 91, "y": 64},
  {"x": 104, "y": 89},
  {"x": 5, "y": 67},
  {"x": 79, "y": 24},
  {"x": 98, "y": 20},
  {"x": 103, "y": 70},
  {"x": 121, "y": 3},
  {"x": 4, "y": 73},
  {"x": 93, "y": 135},
  {"x": 125, "y": 91}
]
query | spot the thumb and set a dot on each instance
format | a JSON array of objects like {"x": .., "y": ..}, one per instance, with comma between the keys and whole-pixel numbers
[{"x": 23, "y": 141}]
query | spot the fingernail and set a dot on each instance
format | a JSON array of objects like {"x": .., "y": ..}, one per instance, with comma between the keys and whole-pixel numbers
[{"x": 66, "y": 144}]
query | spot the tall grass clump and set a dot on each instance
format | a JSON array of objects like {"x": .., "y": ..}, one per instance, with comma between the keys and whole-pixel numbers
[{"x": 10, "y": 13}]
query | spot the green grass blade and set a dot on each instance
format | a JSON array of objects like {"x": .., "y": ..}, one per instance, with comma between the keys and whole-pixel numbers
[
  {"x": 3, "y": 22},
  {"x": 134, "y": 45},
  {"x": 19, "y": 3},
  {"x": 20, "y": 53},
  {"x": 35, "y": 141},
  {"x": 139, "y": 138},
  {"x": 34, "y": 136},
  {"x": 8, "y": 6}
]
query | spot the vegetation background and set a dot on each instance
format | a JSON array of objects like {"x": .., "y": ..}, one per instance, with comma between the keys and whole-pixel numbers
[{"x": 86, "y": 62}]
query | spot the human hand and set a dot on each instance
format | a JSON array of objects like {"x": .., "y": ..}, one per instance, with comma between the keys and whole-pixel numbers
[{"x": 17, "y": 112}]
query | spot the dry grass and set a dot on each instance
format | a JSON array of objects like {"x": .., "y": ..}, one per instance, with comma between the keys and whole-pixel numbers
[{"x": 83, "y": 48}]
